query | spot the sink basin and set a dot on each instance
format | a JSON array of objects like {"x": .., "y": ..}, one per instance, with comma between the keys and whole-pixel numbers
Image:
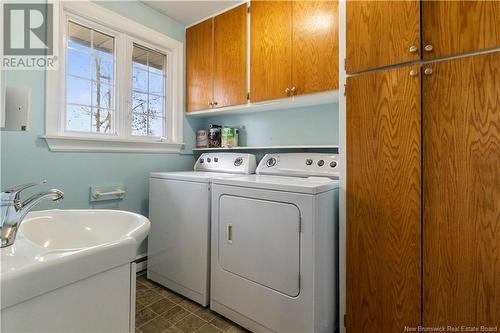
[
  {"x": 76, "y": 229},
  {"x": 55, "y": 248}
]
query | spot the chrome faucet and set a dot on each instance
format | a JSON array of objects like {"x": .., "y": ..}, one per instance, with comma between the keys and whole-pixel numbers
[{"x": 14, "y": 210}]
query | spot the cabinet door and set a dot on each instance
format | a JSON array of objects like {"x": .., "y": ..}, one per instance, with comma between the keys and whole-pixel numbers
[
  {"x": 461, "y": 188},
  {"x": 270, "y": 49},
  {"x": 381, "y": 33},
  {"x": 453, "y": 27},
  {"x": 230, "y": 57},
  {"x": 383, "y": 201},
  {"x": 199, "y": 66},
  {"x": 315, "y": 50}
]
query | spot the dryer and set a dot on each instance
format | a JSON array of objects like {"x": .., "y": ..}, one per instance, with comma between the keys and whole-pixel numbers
[
  {"x": 274, "y": 245},
  {"x": 179, "y": 211}
]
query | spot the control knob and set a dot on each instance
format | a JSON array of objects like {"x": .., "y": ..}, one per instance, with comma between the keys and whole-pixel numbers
[
  {"x": 238, "y": 161},
  {"x": 271, "y": 162}
]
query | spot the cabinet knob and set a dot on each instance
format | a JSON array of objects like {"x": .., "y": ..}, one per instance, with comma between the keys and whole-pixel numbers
[
  {"x": 413, "y": 49},
  {"x": 287, "y": 91},
  {"x": 293, "y": 90},
  {"x": 428, "y": 48},
  {"x": 210, "y": 103},
  {"x": 214, "y": 103},
  {"x": 413, "y": 72},
  {"x": 428, "y": 71}
]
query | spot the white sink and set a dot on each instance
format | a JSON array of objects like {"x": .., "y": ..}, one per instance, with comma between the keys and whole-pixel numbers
[
  {"x": 54, "y": 248},
  {"x": 77, "y": 229}
]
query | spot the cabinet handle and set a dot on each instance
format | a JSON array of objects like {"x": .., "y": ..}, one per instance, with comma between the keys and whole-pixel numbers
[
  {"x": 428, "y": 71},
  {"x": 287, "y": 91},
  {"x": 293, "y": 90},
  {"x": 428, "y": 48},
  {"x": 214, "y": 103},
  {"x": 413, "y": 49},
  {"x": 413, "y": 72},
  {"x": 210, "y": 103}
]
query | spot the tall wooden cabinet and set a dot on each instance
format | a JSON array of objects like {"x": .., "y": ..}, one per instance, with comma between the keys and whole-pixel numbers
[
  {"x": 216, "y": 61},
  {"x": 461, "y": 191},
  {"x": 293, "y": 48},
  {"x": 427, "y": 256},
  {"x": 383, "y": 201}
]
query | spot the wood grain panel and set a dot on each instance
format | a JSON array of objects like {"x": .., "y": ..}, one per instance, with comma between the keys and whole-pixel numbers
[
  {"x": 270, "y": 49},
  {"x": 461, "y": 163},
  {"x": 315, "y": 48},
  {"x": 230, "y": 57},
  {"x": 454, "y": 27},
  {"x": 380, "y": 33},
  {"x": 383, "y": 201},
  {"x": 199, "y": 66}
]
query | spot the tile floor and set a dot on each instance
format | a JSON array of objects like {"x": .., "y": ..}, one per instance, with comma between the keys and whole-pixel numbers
[{"x": 160, "y": 310}]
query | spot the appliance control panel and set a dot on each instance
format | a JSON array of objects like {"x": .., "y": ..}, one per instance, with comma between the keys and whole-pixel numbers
[
  {"x": 300, "y": 165},
  {"x": 226, "y": 162}
]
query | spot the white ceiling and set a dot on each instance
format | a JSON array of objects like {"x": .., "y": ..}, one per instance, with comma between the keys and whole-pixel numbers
[{"x": 187, "y": 11}]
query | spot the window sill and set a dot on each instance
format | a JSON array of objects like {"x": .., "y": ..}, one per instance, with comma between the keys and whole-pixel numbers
[{"x": 88, "y": 144}]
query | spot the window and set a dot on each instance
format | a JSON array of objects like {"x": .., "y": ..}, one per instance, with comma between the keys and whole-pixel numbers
[
  {"x": 118, "y": 87},
  {"x": 148, "y": 94},
  {"x": 90, "y": 85}
]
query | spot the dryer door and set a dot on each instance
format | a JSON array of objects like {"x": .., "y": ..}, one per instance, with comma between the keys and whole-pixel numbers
[{"x": 259, "y": 240}]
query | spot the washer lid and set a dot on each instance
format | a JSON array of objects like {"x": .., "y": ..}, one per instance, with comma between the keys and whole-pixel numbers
[
  {"x": 193, "y": 176},
  {"x": 310, "y": 185}
]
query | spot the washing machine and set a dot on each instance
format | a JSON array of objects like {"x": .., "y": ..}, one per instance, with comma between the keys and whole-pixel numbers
[
  {"x": 179, "y": 211},
  {"x": 274, "y": 245}
]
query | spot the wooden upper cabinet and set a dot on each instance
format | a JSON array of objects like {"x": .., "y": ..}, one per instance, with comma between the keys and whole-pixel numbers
[
  {"x": 383, "y": 201},
  {"x": 315, "y": 49},
  {"x": 270, "y": 49},
  {"x": 381, "y": 33},
  {"x": 199, "y": 66},
  {"x": 230, "y": 57},
  {"x": 461, "y": 188},
  {"x": 454, "y": 27}
]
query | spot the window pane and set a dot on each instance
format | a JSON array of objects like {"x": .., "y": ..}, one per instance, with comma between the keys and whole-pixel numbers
[
  {"x": 148, "y": 93},
  {"x": 102, "y": 70},
  {"x": 89, "y": 80},
  {"x": 102, "y": 95},
  {"x": 78, "y": 91},
  {"x": 139, "y": 79},
  {"x": 78, "y": 118},
  {"x": 102, "y": 120},
  {"x": 79, "y": 37},
  {"x": 103, "y": 44},
  {"x": 80, "y": 63},
  {"x": 156, "y": 84}
]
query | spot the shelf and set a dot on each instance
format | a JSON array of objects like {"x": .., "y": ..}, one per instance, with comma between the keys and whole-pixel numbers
[
  {"x": 276, "y": 104},
  {"x": 305, "y": 147}
]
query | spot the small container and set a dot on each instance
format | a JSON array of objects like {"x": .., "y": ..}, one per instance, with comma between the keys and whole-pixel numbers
[
  {"x": 229, "y": 137},
  {"x": 202, "y": 139},
  {"x": 214, "y": 137}
]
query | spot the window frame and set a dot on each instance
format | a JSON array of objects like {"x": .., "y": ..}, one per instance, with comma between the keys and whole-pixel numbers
[{"x": 126, "y": 32}]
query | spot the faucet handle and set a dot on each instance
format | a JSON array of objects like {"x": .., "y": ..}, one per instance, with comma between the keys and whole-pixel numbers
[{"x": 16, "y": 190}]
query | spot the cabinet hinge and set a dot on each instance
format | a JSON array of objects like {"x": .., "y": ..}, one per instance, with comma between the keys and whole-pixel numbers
[
  {"x": 345, "y": 320},
  {"x": 345, "y": 63},
  {"x": 248, "y": 95},
  {"x": 248, "y": 9},
  {"x": 345, "y": 89}
]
